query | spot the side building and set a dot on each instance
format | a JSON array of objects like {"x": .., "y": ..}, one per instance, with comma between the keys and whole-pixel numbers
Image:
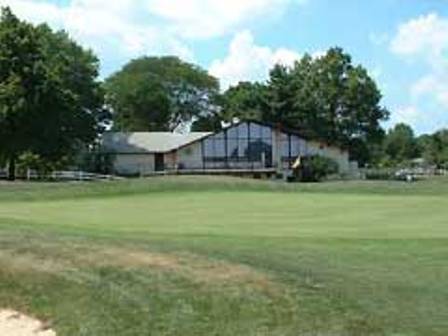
[{"x": 245, "y": 147}]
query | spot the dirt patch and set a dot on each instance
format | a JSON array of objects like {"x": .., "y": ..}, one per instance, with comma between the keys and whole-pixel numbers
[
  {"x": 190, "y": 266},
  {"x": 28, "y": 262},
  {"x": 16, "y": 324}
]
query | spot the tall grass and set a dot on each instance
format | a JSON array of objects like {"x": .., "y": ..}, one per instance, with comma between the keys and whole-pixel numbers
[{"x": 24, "y": 191}]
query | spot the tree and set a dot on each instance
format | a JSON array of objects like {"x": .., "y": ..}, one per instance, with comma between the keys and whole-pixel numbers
[
  {"x": 328, "y": 98},
  {"x": 159, "y": 94},
  {"x": 441, "y": 144},
  {"x": 400, "y": 144},
  {"x": 50, "y": 101},
  {"x": 212, "y": 122},
  {"x": 245, "y": 101},
  {"x": 338, "y": 101},
  {"x": 434, "y": 148},
  {"x": 76, "y": 70},
  {"x": 279, "y": 97},
  {"x": 23, "y": 81}
]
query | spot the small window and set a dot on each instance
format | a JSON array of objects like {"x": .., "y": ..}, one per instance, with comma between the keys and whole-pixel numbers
[
  {"x": 232, "y": 133},
  {"x": 232, "y": 148},
  {"x": 266, "y": 132},
  {"x": 219, "y": 135},
  {"x": 255, "y": 130},
  {"x": 243, "y": 145},
  {"x": 243, "y": 131},
  {"x": 284, "y": 137},
  {"x": 295, "y": 146}
]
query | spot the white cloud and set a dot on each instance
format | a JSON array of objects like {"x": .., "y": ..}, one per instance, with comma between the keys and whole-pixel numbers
[
  {"x": 108, "y": 27},
  {"x": 248, "y": 61},
  {"x": 379, "y": 39},
  {"x": 432, "y": 85},
  {"x": 406, "y": 114},
  {"x": 211, "y": 18},
  {"x": 425, "y": 36},
  {"x": 133, "y": 27},
  {"x": 424, "y": 41},
  {"x": 376, "y": 72},
  {"x": 424, "y": 119},
  {"x": 35, "y": 11}
]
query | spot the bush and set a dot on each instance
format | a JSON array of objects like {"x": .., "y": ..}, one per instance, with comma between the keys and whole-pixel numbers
[
  {"x": 379, "y": 175},
  {"x": 30, "y": 161},
  {"x": 96, "y": 162},
  {"x": 316, "y": 168},
  {"x": 391, "y": 175}
]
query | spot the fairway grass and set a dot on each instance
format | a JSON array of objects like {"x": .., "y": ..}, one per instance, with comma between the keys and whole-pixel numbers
[{"x": 221, "y": 256}]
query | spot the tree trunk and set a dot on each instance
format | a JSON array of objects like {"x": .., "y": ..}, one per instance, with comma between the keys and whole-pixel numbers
[{"x": 12, "y": 168}]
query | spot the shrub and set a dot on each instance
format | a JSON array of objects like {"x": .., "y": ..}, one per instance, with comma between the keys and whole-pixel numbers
[
  {"x": 316, "y": 168},
  {"x": 379, "y": 175},
  {"x": 30, "y": 161},
  {"x": 96, "y": 162}
]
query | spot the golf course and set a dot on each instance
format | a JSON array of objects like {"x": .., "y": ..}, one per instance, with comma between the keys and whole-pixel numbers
[{"x": 203, "y": 256}]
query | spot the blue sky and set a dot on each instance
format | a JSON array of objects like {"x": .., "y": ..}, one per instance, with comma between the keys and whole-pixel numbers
[{"x": 403, "y": 43}]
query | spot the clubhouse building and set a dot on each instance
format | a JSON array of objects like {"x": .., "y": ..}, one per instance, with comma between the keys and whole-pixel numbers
[{"x": 247, "y": 147}]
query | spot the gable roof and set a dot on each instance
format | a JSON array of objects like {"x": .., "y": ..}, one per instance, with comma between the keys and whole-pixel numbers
[
  {"x": 165, "y": 142},
  {"x": 302, "y": 133},
  {"x": 148, "y": 142}
]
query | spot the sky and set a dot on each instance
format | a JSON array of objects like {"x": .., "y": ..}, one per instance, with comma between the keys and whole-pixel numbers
[{"x": 403, "y": 43}]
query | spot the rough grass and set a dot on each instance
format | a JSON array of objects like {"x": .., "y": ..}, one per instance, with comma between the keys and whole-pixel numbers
[{"x": 222, "y": 256}]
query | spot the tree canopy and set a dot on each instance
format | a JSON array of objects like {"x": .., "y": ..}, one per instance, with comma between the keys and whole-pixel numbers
[
  {"x": 50, "y": 99},
  {"x": 400, "y": 144},
  {"x": 159, "y": 94},
  {"x": 52, "y": 103},
  {"x": 434, "y": 148},
  {"x": 327, "y": 97},
  {"x": 245, "y": 101}
]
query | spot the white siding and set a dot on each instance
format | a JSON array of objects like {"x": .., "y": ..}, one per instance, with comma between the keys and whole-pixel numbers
[
  {"x": 190, "y": 157},
  {"x": 132, "y": 164},
  {"x": 314, "y": 148},
  {"x": 341, "y": 156}
]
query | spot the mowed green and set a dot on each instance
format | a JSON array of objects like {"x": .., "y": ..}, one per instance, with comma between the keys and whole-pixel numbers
[{"x": 221, "y": 256}]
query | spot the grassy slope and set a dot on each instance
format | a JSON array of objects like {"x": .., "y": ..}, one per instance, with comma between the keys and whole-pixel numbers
[{"x": 192, "y": 256}]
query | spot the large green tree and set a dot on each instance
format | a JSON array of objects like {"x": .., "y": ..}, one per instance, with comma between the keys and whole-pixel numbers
[
  {"x": 327, "y": 97},
  {"x": 50, "y": 100},
  {"x": 337, "y": 101},
  {"x": 400, "y": 144},
  {"x": 159, "y": 94},
  {"x": 245, "y": 101},
  {"x": 279, "y": 97},
  {"x": 77, "y": 70},
  {"x": 434, "y": 148}
]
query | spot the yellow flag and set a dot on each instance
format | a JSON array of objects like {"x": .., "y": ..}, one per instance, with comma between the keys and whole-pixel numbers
[{"x": 297, "y": 163}]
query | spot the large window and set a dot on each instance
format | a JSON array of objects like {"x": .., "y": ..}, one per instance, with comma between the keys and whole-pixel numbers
[
  {"x": 295, "y": 147},
  {"x": 237, "y": 142},
  {"x": 260, "y": 145},
  {"x": 292, "y": 147},
  {"x": 215, "y": 148},
  {"x": 285, "y": 146},
  {"x": 247, "y": 145}
]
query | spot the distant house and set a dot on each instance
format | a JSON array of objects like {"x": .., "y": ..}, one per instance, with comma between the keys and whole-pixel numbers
[{"x": 245, "y": 147}]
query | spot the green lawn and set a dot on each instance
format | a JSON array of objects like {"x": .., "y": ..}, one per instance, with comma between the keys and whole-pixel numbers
[{"x": 221, "y": 256}]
